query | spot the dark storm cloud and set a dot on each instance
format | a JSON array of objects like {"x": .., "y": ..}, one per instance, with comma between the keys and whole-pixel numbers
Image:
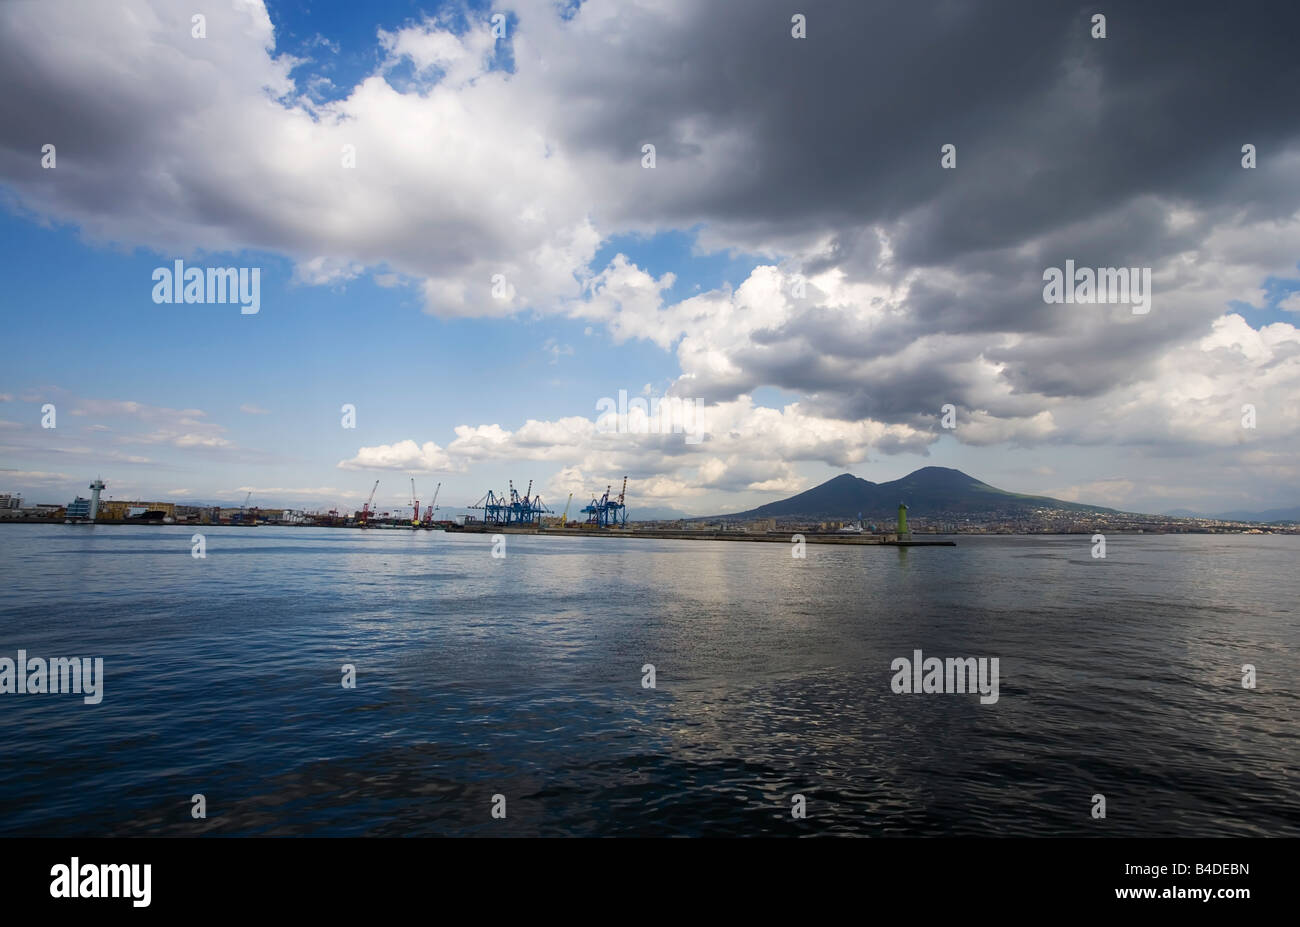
[
  {"x": 1068, "y": 148},
  {"x": 1052, "y": 126},
  {"x": 822, "y": 153}
]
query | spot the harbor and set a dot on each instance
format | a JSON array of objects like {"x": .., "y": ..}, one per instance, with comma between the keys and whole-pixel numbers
[
  {"x": 960, "y": 505},
  {"x": 510, "y": 512}
]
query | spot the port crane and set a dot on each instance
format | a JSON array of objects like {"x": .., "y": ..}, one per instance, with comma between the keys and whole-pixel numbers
[
  {"x": 512, "y": 509},
  {"x": 564, "y": 519},
  {"x": 605, "y": 512},
  {"x": 415, "y": 504},
  {"x": 433, "y": 506},
  {"x": 365, "y": 509}
]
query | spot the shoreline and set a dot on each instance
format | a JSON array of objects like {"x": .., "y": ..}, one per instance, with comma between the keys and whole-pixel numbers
[{"x": 917, "y": 539}]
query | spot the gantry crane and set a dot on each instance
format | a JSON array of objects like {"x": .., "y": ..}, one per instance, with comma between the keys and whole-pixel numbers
[
  {"x": 512, "y": 509},
  {"x": 605, "y": 512}
]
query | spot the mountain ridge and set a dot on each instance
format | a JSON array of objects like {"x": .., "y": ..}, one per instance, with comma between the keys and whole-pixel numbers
[{"x": 929, "y": 491}]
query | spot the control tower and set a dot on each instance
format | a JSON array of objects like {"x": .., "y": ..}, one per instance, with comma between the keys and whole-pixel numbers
[{"x": 95, "y": 488}]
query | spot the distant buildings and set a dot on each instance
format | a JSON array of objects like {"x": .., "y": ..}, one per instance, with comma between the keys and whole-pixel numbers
[{"x": 115, "y": 510}]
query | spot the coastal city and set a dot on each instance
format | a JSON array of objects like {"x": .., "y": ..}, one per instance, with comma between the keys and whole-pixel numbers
[{"x": 522, "y": 513}]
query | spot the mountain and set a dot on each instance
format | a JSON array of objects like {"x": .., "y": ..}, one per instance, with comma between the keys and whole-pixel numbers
[{"x": 929, "y": 491}]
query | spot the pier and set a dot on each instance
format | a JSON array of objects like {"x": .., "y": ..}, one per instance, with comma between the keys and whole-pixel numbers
[{"x": 771, "y": 537}]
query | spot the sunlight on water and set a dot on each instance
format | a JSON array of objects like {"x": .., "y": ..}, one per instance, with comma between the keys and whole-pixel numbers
[{"x": 522, "y": 676}]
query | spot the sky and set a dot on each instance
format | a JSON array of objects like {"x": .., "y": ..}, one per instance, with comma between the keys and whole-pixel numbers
[{"x": 459, "y": 235}]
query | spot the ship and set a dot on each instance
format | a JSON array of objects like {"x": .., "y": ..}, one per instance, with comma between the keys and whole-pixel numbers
[{"x": 853, "y": 529}]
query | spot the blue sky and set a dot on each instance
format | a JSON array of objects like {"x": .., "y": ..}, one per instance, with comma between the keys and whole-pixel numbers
[
  {"x": 521, "y": 154},
  {"x": 310, "y": 350}
]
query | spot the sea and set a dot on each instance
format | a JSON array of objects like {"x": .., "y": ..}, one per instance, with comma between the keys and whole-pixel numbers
[{"x": 647, "y": 687}]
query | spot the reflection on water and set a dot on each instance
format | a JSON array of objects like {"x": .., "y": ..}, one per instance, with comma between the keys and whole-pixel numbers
[{"x": 522, "y": 676}]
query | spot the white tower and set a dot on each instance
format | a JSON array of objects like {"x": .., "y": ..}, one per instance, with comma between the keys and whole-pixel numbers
[{"x": 95, "y": 487}]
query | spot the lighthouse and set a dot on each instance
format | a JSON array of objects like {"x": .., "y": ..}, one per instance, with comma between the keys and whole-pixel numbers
[
  {"x": 95, "y": 488},
  {"x": 902, "y": 521}
]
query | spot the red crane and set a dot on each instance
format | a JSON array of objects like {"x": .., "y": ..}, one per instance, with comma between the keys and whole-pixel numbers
[{"x": 365, "y": 509}]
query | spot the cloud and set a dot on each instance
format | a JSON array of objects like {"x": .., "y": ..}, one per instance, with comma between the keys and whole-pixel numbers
[
  {"x": 456, "y": 179},
  {"x": 556, "y": 350},
  {"x": 179, "y": 428},
  {"x": 1098, "y": 374},
  {"x": 249, "y": 409},
  {"x": 181, "y": 440},
  {"x": 820, "y": 156},
  {"x": 32, "y": 440},
  {"x": 321, "y": 271},
  {"x": 313, "y": 492},
  {"x": 320, "y": 41},
  {"x": 183, "y": 429},
  {"x": 404, "y": 455},
  {"x": 1111, "y": 493},
  {"x": 742, "y": 447},
  {"x": 37, "y": 476},
  {"x": 108, "y": 408}
]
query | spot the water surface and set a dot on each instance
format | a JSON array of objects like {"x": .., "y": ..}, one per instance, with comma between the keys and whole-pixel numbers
[{"x": 522, "y": 677}]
